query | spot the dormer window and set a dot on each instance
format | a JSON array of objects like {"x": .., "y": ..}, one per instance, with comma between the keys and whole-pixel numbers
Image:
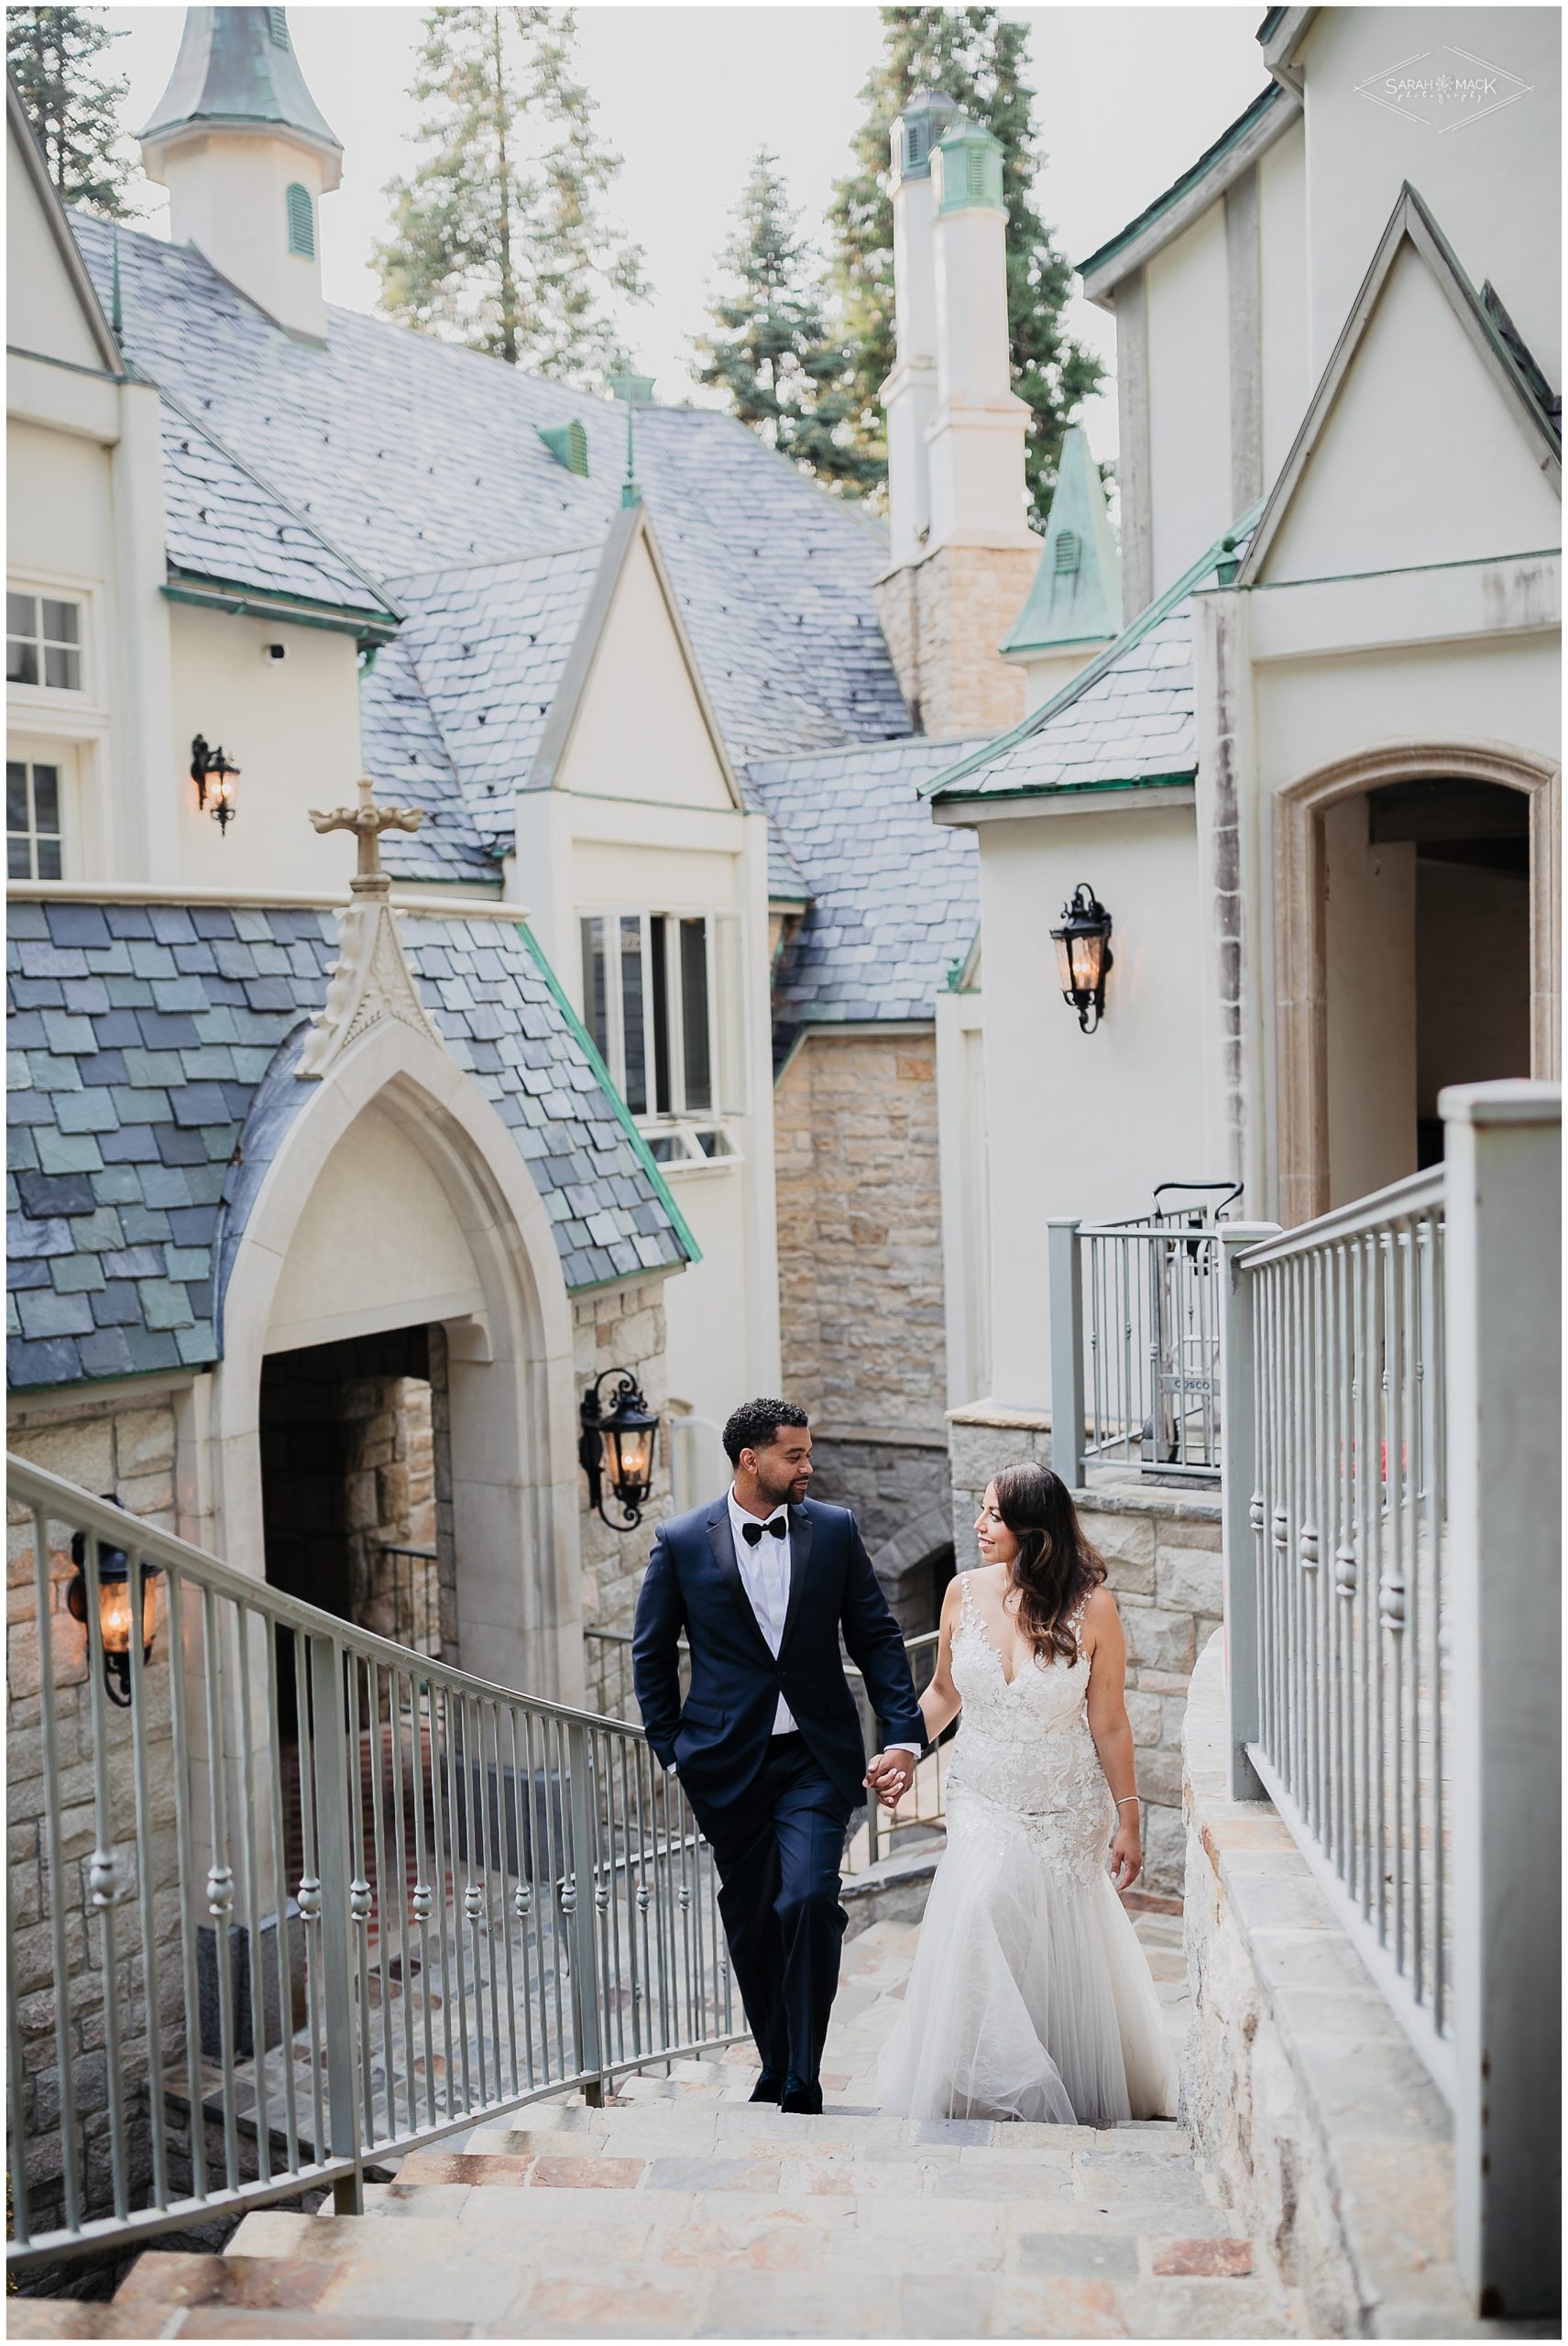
[
  {"x": 302, "y": 220},
  {"x": 43, "y": 642}
]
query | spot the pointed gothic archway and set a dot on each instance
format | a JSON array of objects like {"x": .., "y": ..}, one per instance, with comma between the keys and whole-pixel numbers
[
  {"x": 1304, "y": 1179},
  {"x": 396, "y": 1197}
]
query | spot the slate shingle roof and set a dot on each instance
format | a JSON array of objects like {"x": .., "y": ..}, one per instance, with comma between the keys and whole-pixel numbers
[
  {"x": 1128, "y": 718},
  {"x": 412, "y": 454},
  {"x": 489, "y": 643},
  {"x": 894, "y": 897},
  {"x": 405, "y": 753},
  {"x": 140, "y": 1038},
  {"x": 224, "y": 524}
]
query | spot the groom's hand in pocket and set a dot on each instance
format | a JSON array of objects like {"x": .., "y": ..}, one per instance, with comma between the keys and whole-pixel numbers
[{"x": 890, "y": 1775}]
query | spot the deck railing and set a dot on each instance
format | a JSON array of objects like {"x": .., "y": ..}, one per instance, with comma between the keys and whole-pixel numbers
[
  {"x": 334, "y": 1900},
  {"x": 878, "y": 1833},
  {"x": 1393, "y": 1616},
  {"x": 1135, "y": 1345}
]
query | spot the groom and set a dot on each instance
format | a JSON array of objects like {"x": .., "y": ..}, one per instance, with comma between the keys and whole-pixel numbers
[{"x": 768, "y": 1745}]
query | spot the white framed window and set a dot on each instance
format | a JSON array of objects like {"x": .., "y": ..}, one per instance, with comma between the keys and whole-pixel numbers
[
  {"x": 652, "y": 1004},
  {"x": 45, "y": 641},
  {"x": 35, "y": 793}
]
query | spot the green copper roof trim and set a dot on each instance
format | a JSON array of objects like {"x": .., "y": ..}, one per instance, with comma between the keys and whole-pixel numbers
[
  {"x": 1146, "y": 620},
  {"x": 1262, "y": 105},
  {"x": 590, "y": 1052},
  {"x": 1081, "y": 602},
  {"x": 1117, "y": 787},
  {"x": 242, "y": 601}
]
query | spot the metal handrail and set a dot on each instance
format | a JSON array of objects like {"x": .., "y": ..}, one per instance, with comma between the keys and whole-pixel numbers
[
  {"x": 1335, "y": 1361},
  {"x": 343, "y": 1897},
  {"x": 1135, "y": 1346},
  {"x": 921, "y": 1809}
]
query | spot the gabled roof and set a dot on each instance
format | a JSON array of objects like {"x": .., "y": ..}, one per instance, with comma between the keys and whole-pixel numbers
[
  {"x": 489, "y": 644},
  {"x": 1126, "y": 721},
  {"x": 228, "y": 531},
  {"x": 1521, "y": 381},
  {"x": 894, "y": 900},
  {"x": 1077, "y": 594},
  {"x": 412, "y": 455},
  {"x": 141, "y": 1037},
  {"x": 1268, "y": 116},
  {"x": 21, "y": 132}
]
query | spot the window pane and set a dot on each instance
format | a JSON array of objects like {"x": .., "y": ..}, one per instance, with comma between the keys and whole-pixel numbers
[
  {"x": 61, "y": 621},
  {"x": 694, "y": 1015},
  {"x": 18, "y": 859},
  {"x": 62, "y": 668},
  {"x": 632, "y": 1025},
  {"x": 659, "y": 941},
  {"x": 45, "y": 797},
  {"x": 21, "y": 615},
  {"x": 596, "y": 1009},
  {"x": 48, "y": 859},
  {"x": 17, "y": 816},
  {"x": 21, "y": 662}
]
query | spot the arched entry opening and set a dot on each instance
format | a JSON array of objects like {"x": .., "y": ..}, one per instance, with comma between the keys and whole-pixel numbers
[
  {"x": 395, "y": 1273},
  {"x": 1416, "y": 946}
]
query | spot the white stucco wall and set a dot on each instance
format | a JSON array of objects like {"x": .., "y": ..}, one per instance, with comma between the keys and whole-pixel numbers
[
  {"x": 1283, "y": 313},
  {"x": 43, "y": 312},
  {"x": 227, "y": 197},
  {"x": 1082, "y": 1124},
  {"x": 639, "y": 731},
  {"x": 1189, "y": 394},
  {"x": 292, "y": 727},
  {"x": 1493, "y": 185}
]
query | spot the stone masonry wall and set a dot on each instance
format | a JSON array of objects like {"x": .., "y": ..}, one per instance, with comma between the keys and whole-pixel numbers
[
  {"x": 943, "y": 619},
  {"x": 128, "y": 1452},
  {"x": 1162, "y": 1551},
  {"x": 620, "y": 1327}
]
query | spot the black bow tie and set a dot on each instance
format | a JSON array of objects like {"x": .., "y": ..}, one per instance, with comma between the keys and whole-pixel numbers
[{"x": 777, "y": 1524}]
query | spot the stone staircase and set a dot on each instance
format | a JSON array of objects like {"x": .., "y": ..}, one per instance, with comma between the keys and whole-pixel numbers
[{"x": 684, "y": 2211}]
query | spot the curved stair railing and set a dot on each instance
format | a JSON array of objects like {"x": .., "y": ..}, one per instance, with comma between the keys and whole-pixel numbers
[{"x": 300, "y": 1899}]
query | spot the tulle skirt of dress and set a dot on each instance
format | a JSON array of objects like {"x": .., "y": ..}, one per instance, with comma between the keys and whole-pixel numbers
[{"x": 1030, "y": 1997}]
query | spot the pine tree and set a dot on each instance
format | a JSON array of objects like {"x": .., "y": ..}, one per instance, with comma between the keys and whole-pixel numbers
[
  {"x": 499, "y": 239},
  {"x": 975, "y": 56},
  {"x": 72, "y": 104},
  {"x": 771, "y": 353}
]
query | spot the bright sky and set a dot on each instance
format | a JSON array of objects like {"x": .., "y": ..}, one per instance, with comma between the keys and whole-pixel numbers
[{"x": 1127, "y": 98}]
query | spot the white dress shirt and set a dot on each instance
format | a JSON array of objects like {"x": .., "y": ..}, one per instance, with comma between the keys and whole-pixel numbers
[{"x": 764, "y": 1568}]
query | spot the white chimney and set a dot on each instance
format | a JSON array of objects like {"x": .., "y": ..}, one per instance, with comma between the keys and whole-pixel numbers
[
  {"x": 909, "y": 394},
  {"x": 976, "y": 436},
  {"x": 247, "y": 157}
]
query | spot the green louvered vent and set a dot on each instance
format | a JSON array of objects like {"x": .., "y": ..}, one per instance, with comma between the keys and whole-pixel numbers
[
  {"x": 277, "y": 25},
  {"x": 568, "y": 443},
  {"x": 302, "y": 221},
  {"x": 1069, "y": 550}
]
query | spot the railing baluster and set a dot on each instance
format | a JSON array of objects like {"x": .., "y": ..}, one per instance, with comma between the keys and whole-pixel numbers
[
  {"x": 65, "y": 1972},
  {"x": 246, "y": 1787}
]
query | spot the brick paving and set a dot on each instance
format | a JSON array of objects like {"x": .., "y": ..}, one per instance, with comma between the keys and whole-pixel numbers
[{"x": 681, "y": 2210}]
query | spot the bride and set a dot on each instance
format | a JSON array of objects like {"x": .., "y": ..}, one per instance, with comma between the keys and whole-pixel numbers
[{"x": 1030, "y": 1997}]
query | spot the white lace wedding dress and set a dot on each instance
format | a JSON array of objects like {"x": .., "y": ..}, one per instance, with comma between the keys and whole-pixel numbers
[{"x": 1030, "y": 1997}]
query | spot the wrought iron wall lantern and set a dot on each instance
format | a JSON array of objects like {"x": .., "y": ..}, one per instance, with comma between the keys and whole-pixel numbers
[
  {"x": 117, "y": 1617},
  {"x": 214, "y": 778},
  {"x": 1083, "y": 955},
  {"x": 617, "y": 1444}
]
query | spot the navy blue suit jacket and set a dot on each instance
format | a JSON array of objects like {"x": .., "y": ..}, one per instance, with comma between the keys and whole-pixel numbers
[{"x": 719, "y": 1739}]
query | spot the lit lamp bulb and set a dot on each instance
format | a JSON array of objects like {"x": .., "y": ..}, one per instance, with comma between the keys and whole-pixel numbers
[
  {"x": 116, "y": 1623},
  {"x": 1083, "y": 955}
]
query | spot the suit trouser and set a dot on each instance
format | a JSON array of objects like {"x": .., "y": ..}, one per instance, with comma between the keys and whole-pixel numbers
[{"x": 778, "y": 1850}]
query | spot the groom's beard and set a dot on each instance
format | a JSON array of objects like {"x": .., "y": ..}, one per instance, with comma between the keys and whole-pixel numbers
[{"x": 777, "y": 1493}]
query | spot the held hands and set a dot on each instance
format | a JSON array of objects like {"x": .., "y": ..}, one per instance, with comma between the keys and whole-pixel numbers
[
  {"x": 1126, "y": 1852},
  {"x": 889, "y": 1776}
]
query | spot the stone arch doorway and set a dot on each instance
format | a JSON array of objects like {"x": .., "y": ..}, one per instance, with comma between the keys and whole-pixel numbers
[
  {"x": 395, "y": 1210},
  {"x": 1394, "y": 872}
]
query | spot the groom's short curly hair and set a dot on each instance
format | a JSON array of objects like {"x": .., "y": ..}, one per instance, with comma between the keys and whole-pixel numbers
[{"x": 756, "y": 1426}]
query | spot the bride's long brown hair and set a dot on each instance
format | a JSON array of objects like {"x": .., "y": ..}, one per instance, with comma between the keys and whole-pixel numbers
[{"x": 1055, "y": 1567}]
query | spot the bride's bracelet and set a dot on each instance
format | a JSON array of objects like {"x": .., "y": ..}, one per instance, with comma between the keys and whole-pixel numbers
[{"x": 1127, "y": 1797}]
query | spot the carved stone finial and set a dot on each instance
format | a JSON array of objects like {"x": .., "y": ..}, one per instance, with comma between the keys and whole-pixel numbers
[
  {"x": 371, "y": 979},
  {"x": 367, "y": 821}
]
